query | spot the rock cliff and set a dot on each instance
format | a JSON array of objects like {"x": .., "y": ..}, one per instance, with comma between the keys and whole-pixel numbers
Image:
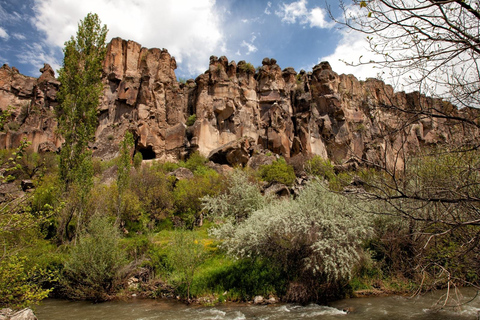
[{"x": 233, "y": 111}]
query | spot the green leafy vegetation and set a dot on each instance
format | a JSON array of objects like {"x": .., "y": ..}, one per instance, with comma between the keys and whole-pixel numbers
[
  {"x": 191, "y": 120},
  {"x": 94, "y": 263},
  {"x": 279, "y": 171},
  {"x": 247, "y": 67},
  {"x": 78, "y": 97},
  {"x": 315, "y": 239}
]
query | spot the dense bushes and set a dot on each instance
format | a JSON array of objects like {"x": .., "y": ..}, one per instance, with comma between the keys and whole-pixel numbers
[
  {"x": 278, "y": 171},
  {"x": 316, "y": 246},
  {"x": 94, "y": 262},
  {"x": 315, "y": 239},
  {"x": 241, "y": 199}
]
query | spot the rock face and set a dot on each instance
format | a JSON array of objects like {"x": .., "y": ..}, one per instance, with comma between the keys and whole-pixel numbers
[
  {"x": 237, "y": 110},
  {"x": 30, "y": 103}
]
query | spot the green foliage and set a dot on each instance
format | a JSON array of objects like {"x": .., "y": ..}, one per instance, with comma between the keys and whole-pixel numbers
[
  {"x": 188, "y": 195},
  {"x": 316, "y": 237},
  {"x": 13, "y": 163},
  {"x": 155, "y": 189},
  {"x": 124, "y": 167},
  {"x": 324, "y": 169},
  {"x": 241, "y": 198},
  {"x": 94, "y": 263},
  {"x": 78, "y": 97},
  {"x": 13, "y": 126},
  {"x": 320, "y": 167},
  {"x": 186, "y": 255},
  {"x": 20, "y": 279},
  {"x": 137, "y": 160},
  {"x": 247, "y": 67},
  {"x": 4, "y": 117},
  {"x": 81, "y": 79},
  {"x": 20, "y": 284},
  {"x": 242, "y": 279},
  {"x": 278, "y": 171},
  {"x": 191, "y": 120},
  {"x": 195, "y": 162}
]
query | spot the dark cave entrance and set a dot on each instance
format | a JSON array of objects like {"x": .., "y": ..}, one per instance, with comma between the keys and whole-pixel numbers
[{"x": 147, "y": 153}]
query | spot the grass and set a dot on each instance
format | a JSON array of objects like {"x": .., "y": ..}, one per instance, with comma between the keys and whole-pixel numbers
[{"x": 219, "y": 277}]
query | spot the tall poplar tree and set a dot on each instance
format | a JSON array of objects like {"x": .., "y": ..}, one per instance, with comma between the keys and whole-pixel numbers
[{"x": 79, "y": 95}]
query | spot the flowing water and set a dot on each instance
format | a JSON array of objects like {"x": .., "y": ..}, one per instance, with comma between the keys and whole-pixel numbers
[{"x": 391, "y": 308}]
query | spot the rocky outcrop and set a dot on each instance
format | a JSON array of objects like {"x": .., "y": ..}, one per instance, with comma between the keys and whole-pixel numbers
[
  {"x": 29, "y": 103},
  {"x": 234, "y": 112}
]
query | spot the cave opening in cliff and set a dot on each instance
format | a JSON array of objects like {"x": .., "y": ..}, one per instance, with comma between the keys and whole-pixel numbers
[{"x": 147, "y": 153}]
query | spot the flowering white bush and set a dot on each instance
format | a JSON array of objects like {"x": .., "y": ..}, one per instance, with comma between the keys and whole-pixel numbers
[{"x": 319, "y": 234}]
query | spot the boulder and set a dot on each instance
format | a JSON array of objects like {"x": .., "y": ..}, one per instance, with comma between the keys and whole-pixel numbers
[
  {"x": 279, "y": 189},
  {"x": 24, "y": 314},
  {"x": 27, "y": 185},
  {"x": 258, "y": 300},
  {"x": 234, "y": 153},
  {"x": 182, "y": 174}
]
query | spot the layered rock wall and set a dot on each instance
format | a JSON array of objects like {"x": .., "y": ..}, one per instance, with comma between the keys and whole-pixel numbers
[{"x": 234, "y": 111}]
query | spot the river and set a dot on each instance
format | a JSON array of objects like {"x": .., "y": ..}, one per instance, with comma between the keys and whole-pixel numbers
[{"x": 372, "y": 308}]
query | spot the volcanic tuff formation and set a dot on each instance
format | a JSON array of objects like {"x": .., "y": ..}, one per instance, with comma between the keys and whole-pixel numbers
[{"x": 238, "y": 111}]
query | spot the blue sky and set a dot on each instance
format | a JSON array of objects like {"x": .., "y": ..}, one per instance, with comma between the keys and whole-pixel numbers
[{"x": 297, "y": 33}]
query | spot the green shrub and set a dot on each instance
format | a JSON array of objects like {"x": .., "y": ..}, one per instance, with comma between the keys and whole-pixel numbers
[
  {"x": 195, "y": 162},
  {"x": 94, "y": 262},
  {"x": 278, "y": 171},
  {"x": 188, "y": 196},
  {"x": 166, "y": 167},
  {"x": 320, "y": 167},
  {"x": 20, "y": 284},
  {"x": 241, "y": 198},
  {"x": 191, "y": 120},
  {"x": 185, "y": 256},
  {"x": 137, "y": 160},
  {"x": 13, "y": 126},
  {"x": 315, "y": 239},
  {"x": 155, "y": 189},
  {"x": 247, "y": 67}
]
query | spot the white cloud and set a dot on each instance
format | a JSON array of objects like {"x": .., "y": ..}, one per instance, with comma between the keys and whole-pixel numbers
[
  {"x": 3, "y": 34},
  {"x": 36, "y": 55},
  {"x": 298, "y": 11},
  {"x": 251, "y": 48},
  {"x": 19, "y": 36},
  {"x": 316, "y": 18},
  {"x": 352, "y": 49},
  {"x": 293, "y": 11},
  {"x": 267, "y": 9},
  {"x": 189, "y": 29}
]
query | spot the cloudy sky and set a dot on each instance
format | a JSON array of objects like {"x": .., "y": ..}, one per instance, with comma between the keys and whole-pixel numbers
[{"x": 298, "y": 34}]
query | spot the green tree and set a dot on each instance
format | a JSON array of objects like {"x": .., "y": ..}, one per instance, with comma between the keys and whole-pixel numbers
[
  {"x": 124, "y": 167},
  {"x": 79, "y": 94},
  {"x": 187, "y": 254},
  {"x": 20, "y": 280}
]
